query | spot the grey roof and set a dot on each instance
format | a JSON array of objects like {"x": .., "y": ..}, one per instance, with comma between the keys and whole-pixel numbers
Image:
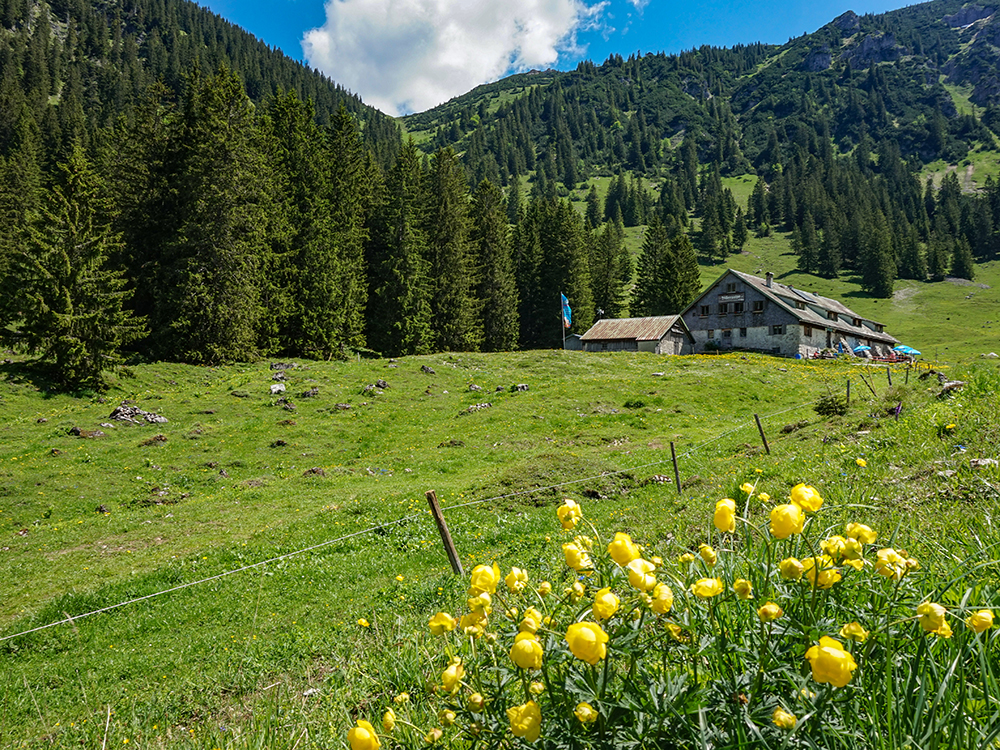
[
  {"x": 632, "y": 329},
  {"x": 787, "y": 296}
]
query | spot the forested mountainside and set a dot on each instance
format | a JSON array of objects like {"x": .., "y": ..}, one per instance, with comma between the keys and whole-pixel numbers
[
  {"x": 170, "y": 188},
  {"x": 75, "y": 66}
]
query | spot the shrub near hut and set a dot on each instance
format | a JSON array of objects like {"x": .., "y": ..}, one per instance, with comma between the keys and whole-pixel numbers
[{"x": 787, "y": 630}]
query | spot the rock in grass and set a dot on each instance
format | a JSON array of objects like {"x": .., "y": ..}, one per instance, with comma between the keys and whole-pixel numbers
[
  {"x": 428, "y": 370},
  {"x": 311, "y": 393},
  {"x": 277, "y": 388},
  {"x": 80, "y": 432},
  {"x": 132, "y": 414}
]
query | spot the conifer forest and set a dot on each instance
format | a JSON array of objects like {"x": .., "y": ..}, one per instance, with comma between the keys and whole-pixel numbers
[{"x": 171, "y": 188}]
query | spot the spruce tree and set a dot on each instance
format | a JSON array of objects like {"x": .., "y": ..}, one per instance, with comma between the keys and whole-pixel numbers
[
  {"x": 399, "y": 296},
  {"x": 912, "y": 263},
  {"x": 593, "y": 213},
  {"x": 209, "y": 294},
  {"x": 648, "y": 293},
  {"x": 878, "y": 269},
  {"x": 962, "y": 264},
  {"x": 682, "y": 276},
  {"x": 71, "y": 301},
  {"x": 740, "y": 233},
  {"x": 607, "y": 276},
  {"x": 497, "y": 286},
  {"x": 446, "y": 224}
]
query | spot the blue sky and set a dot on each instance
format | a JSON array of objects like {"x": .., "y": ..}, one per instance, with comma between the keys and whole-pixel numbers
[{"x": 408, "y": 55}]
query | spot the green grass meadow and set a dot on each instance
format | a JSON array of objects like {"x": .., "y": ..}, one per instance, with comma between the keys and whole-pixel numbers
[{"x": 274, "y": 656}]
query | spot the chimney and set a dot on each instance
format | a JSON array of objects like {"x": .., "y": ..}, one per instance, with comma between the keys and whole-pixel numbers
[{"x": 769, "y": 279}]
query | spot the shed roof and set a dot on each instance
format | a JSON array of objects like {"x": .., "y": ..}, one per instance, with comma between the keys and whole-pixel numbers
[{"x": 631, "y": 329}]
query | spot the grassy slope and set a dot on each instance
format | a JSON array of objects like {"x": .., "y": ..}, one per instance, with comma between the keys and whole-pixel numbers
[{"x": 201, "y": 658}]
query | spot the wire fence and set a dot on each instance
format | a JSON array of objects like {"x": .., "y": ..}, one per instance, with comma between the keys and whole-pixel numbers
[{"x": 69, "y": 620}]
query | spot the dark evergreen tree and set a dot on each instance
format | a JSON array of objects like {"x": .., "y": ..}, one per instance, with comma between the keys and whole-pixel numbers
[
  {"x": 593, "y": 213},
  {"x": 399, "y": 296},
  {"x": 607, "y": 272},
  {"x": 455, "y": 309},
  {"x": 71, "y": 301},
  {"x": 497, "y": 286},
  {"x": 878, "y": 269},
  {"x": 962, "y": 264},
  {"x": 740, "y": 233},
  {"x": 912, "y": 263},
  {"x": 209, "y": 293}
]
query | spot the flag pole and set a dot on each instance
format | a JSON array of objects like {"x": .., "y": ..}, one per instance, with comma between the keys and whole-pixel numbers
[{"x": 562, "y": 320}]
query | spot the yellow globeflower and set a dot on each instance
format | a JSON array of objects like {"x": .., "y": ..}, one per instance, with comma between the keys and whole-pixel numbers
[
  {"x": 527, "y": 651},
  {"x": 861, "y": 462},
  {"x": 791, "y": 569},
  {"x": 764, "y": 497},
  {"x": 706, "y": 588},
  {"x": 452, "y": 676},
  {"x": 585, "y": 713},
  {"x": 516, "y": 580},
  {"x": 442, "y": 623},
  {"x": 891, "y": 564},
  {"x": 980, "y": 621},
  {"x": 587, "y": 641},
  {"x": 862, "y": 533},
  {"x": 433, "y": 736},
  {"x": 786, "y": 520},
  {"x": 770, "y": 612},
  {"x": 708, "y": 554},
  {"x": 782, "y": 719},
  {"x": 536, "y": 688},
  {"x": 576, "y": 591},
  {"x": 389, "y": 720},
  {"x": 476, "y": 702},
  {"x": 484, "y": 579},
  {"x": 830, "y": 662},
  {"x": 481, "y": 603},
  {"x": 834, "y": 546},
  {"x": 364, "y": 623},
  {"x": 576, "y": 557},
  {"x": 640, "y": 574},
  {"x": 473, "y": 623},
  {"x": 686, "y": 558},
  {"x": 931, "y": 616},
  {"x": 747, "y": 488},
  {"x": 363, "y": 736},
  {"x": 663, "y": 599},
  {"x": 525, "y": 720},
  {"x": 569, "y": 514},
  {"x": 447, "y": 717},
  {"x": 743, "y": 588},
  {"x": 623, "y": 550},
  {"x": 544, "y": 588},
  {"x": 725, "y": 515},
  {"x": 605, "y": 604},
  {"x": 820, "y": 571},
  {"x": 854, "y": 632},
  {"x": 806, "y": 497},
  {"x": 532, "y": 621}
]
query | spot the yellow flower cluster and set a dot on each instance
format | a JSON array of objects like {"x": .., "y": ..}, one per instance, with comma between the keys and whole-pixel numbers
[{"x": 618, "y": 602}]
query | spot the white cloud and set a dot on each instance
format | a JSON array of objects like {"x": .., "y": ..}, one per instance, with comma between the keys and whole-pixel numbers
[
  {"x": 409, "y": 55},
  {"x": 639, "y": 4}
]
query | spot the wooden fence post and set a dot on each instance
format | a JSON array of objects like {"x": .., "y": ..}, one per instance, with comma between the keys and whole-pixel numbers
[
  {"x": 677, "y": 473},
  {"x": 848, "y": 391},
  {"x": 449, "y": 545},
  {"x": 888, "y": 374},
  {"x": 767, "y": 448}
]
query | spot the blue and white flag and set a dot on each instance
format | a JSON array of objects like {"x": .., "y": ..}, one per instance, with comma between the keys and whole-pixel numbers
[{"x": 567, "y": 314}]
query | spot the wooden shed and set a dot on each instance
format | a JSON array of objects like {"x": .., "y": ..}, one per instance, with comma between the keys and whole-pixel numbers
[{"x": 666, "y": 334}]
